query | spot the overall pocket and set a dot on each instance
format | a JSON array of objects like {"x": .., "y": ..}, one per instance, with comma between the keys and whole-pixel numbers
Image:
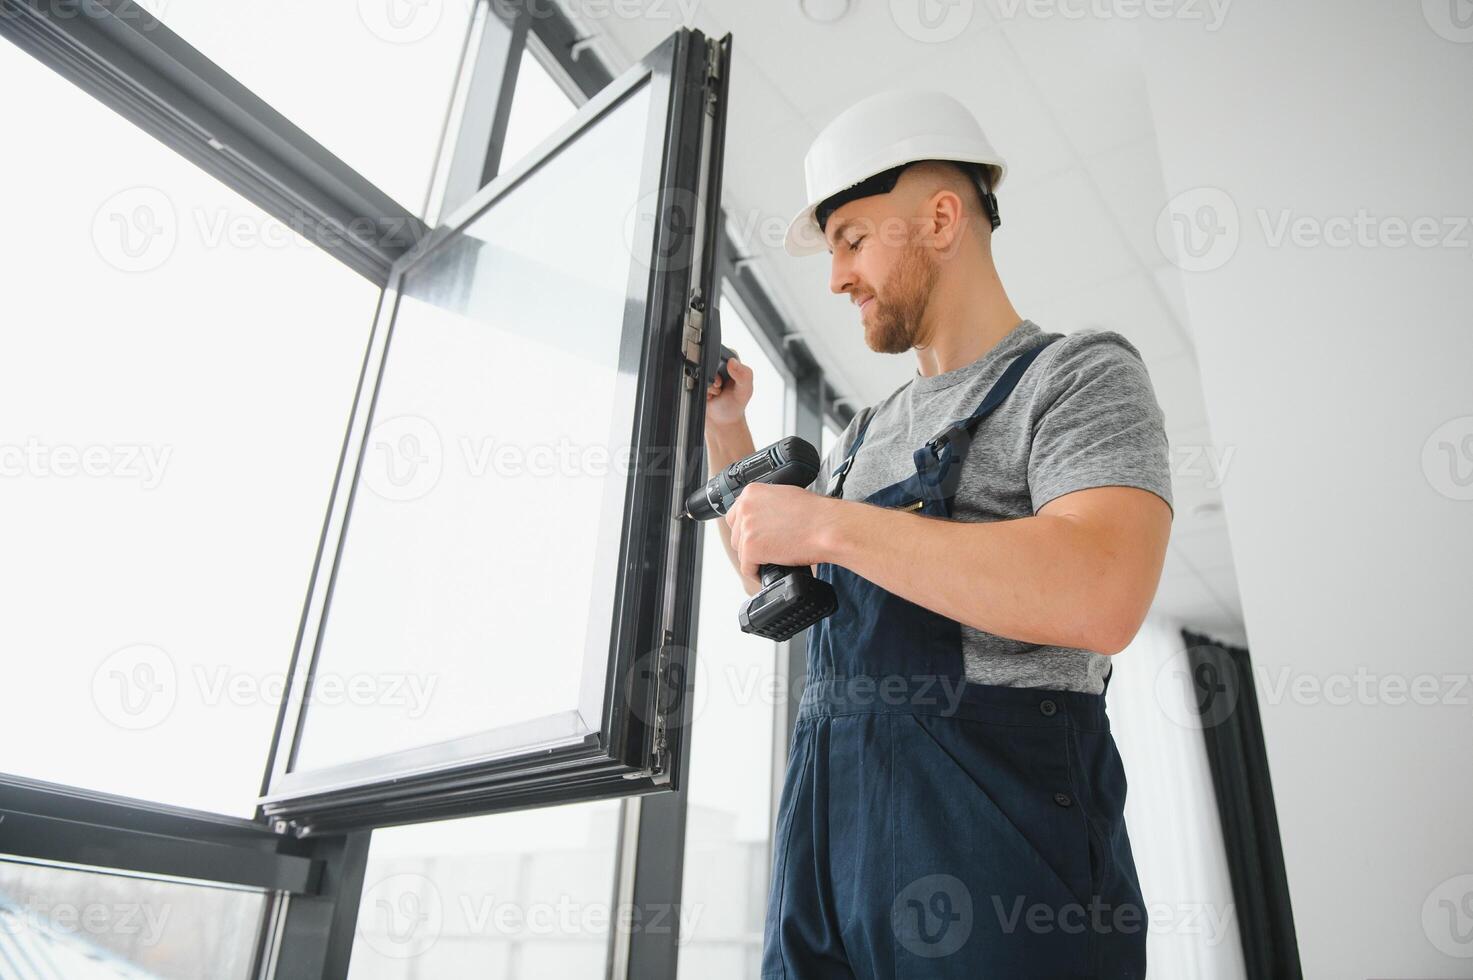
[{"x": 1005, "y": 788}]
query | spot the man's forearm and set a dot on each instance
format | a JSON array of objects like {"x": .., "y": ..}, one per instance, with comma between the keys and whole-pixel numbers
[
  {"x": 724, "y": 446},
  {"x": 1036, "y": 579}
]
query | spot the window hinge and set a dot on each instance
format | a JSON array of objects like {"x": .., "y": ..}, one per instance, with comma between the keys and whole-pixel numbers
[
  {"x": 289, "y": 828},
  {"x": 713, "y": 74},
  {"x": 692, "y": 336},
  {"x": 662, "y": 685}
]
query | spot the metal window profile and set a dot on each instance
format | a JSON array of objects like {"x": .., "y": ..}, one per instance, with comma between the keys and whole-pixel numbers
[
  {"x": 311, "y": 937},
  {"x": 485, "y": 91},
  {"x": 656, "y": 864},
  {"x": 127, "y": 59},
  {"x": 49, "y": 823},
  {"x": 313, "y": 885},
  {"x": 537, "y": 49},
  {"x": 483, "y": 99},
  {"x": 651, "y": 864},
  {"x": 563, "y": 43},
  {"x": 651, "y": 872},
  {"x": 626, "y": 742}
]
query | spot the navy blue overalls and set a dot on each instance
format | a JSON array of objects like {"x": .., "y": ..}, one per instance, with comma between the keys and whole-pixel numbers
[{"x": 929, "y": 828}]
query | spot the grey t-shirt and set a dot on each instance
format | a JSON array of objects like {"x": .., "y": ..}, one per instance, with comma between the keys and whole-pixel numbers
[{"x": 1083, "y": 415}]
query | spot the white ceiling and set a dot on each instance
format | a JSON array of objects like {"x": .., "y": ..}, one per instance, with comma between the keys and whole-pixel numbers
[{"x": 1065, "y": 102}]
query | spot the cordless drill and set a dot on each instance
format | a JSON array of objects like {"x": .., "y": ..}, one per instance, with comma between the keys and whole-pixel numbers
[{"x": 790, "y": 599}]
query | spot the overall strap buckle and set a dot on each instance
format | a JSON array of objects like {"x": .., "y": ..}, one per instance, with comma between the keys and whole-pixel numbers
[
  {"x": 836, "y": 479},
  {"x": 940, "y": 439}
]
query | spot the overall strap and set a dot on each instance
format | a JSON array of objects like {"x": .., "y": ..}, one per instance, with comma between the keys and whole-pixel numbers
[
  {"x": 999, "y": 392},
  {"x": 1001, "y": 389},
  {"x": 843, "y": 468}
]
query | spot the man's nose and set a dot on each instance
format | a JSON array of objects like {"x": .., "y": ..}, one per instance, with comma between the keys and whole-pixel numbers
[{"x": 841, "y": 277}]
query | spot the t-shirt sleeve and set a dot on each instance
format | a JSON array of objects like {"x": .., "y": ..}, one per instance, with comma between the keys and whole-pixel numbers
[{"x": 1097, "y": 423}]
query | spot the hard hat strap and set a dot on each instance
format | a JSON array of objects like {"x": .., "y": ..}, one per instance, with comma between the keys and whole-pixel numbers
[
  {"x": 989, "y": 201},
  {"x": 881, "y": 183},
  {"x": 884, "y": 182}
]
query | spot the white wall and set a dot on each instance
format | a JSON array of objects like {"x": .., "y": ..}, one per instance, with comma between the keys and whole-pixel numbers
[{"x": 1339, "y": 373}]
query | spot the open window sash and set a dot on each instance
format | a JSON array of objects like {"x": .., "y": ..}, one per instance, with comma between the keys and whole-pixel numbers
[{"x": 481, "y": 636}]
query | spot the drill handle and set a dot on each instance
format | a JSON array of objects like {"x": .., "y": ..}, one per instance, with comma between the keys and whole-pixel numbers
[{"x": 774, "y": 573}]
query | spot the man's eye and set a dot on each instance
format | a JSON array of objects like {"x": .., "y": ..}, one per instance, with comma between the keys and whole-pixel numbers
[{"x": 854, "y": 245}]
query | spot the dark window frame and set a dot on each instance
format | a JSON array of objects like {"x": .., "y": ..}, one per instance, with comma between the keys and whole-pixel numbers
[
  {"x": 628, "y": 751},
  {"x": 118, "y": 54},
  {"x": 1232, "y": 730},
  {"x": 128, "y": 60}
]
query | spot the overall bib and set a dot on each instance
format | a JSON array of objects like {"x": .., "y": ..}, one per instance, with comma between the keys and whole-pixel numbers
[{"x": 929, "y": 828}]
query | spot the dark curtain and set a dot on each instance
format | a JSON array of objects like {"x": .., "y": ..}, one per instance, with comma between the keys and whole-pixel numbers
[{"x": 1222, "y": 680}]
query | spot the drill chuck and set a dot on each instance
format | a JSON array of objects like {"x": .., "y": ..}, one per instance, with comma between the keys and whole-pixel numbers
[{"x": 790, "y": 461}]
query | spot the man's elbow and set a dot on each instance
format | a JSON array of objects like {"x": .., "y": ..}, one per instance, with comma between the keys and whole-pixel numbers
[
  {"x": 1114, "y": 633},
  {"x": 1118, "y": 612},
  {"x": 1109, "y": 643}
]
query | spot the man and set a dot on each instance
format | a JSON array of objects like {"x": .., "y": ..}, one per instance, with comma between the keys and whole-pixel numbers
[{"x": 995, "y": 531}]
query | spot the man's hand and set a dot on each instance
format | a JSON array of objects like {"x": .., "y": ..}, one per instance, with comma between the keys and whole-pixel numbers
[
  {"x": 728, "y": 439},
  {"x": 781, "y": 525}
]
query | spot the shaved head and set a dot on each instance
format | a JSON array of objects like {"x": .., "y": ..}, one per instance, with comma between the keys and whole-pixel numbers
[{"x": 921, "y": 181}]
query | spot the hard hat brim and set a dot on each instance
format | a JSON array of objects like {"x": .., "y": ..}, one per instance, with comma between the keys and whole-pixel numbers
[{"x": 803, "y": 236}]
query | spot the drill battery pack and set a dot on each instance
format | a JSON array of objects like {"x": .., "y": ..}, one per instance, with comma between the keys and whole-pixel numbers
[{"x": 788, "y": 606}]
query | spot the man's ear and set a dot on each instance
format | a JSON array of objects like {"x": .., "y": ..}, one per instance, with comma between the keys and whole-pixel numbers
[{"x": 948, "y": 222}]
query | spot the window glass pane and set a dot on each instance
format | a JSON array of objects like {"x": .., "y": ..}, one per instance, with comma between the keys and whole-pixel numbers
[
  {"x": 514, "y": 896},
  {"x": 176, "y": 370},
  {"x": 371, "y": 81},
  {"x": 481, "y": 554},
  {"x": 87, "y": 925},
  {"x": 734, "y": 711},
  {"x": 538, "y": 106},
  {"x": 766, "y": 412},
  {"x": 830, "y": 434}
]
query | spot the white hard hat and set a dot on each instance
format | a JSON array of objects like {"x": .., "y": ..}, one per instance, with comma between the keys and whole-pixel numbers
[{"x": 877, "y": 134}]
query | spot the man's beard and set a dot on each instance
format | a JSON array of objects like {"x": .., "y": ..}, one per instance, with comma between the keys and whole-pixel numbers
[{"x": 895, "y": 321}]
